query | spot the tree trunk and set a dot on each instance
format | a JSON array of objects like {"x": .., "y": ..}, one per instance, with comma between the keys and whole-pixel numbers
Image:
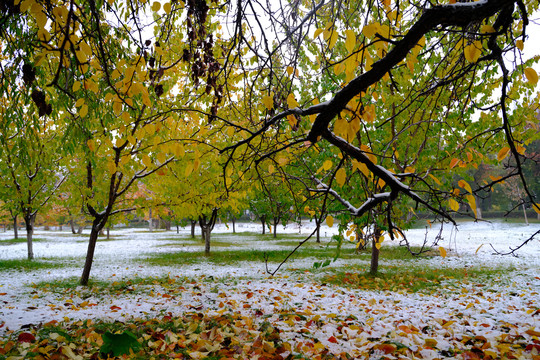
[
  {"x": 97, "y": 226},
  {"x": 233, "y": 225},
  {"x": 525, "y": 214},
  {"x": 276, "y": 222},
  {"x": 72, "y": 226},
  {"x": 375, "y": 252},
  {"x": 108, "y": 232},
  {"x": 80, "y": 230},
  {"x": 318, "y": 234},
  {"x": 15, "y": 227},
  {"x": 263, "y": 221},
  {"x": 29, "y": 222},
  {"x": 206, "y": 229},
  {"x": 150, "y": 223},
  {"x": 177, "y": 229},
  {"x": 193, "y": 223}
]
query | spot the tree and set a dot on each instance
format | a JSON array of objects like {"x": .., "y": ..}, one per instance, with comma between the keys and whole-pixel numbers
[
  {"x": 403, "y": 93},
  {"x": 30, "y": 166}
]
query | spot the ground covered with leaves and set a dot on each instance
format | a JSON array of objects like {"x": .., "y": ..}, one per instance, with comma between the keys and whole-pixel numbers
[{"x": 412, "y": 310}]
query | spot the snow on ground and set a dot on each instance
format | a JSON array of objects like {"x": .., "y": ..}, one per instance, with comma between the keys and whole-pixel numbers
[{"x": 485, "y": 309}]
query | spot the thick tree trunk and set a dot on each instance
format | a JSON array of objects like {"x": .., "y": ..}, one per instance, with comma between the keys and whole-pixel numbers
[
  {"x": 206, "y": 237},
  {"x": 276, "y": 222},
  {"x": 206, "y": 229},
  {"x": 29, "y": 222},
  {"x": 97, "y": 226},
  {"x": 375, "y": 252}
]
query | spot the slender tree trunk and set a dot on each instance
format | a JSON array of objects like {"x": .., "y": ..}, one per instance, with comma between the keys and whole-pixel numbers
[
  {"x": 97, "y": 226},
  {"x": 177, "y": 229},
  {"x": 29, "y": 222},
  {"x": 193, "y": 224},
  {"x": 150, "y": 222},
  {"x": 263, "y": 221},
  {"x": 233, "y": 225},
  {"x": 276, "y": 222},
  {"x": 375, "y": 252},
  {"x": 525, "y": 214},
  {"x": 15, "y": 227},
  {"x": 318, "y": 234},
  {"x": 206, "y": 231},
  {"x": 72, "y": 225},
  {"x": 80, "y": 229}
]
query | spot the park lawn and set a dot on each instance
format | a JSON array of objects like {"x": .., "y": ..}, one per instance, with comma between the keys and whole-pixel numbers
[{"x": 422, "y": 308}]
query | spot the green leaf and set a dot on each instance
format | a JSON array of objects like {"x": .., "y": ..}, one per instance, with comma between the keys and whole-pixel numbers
[{"x": 119, "y": 344}]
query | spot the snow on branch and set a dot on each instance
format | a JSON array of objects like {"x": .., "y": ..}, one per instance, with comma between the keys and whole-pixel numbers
[{"x": 369, "y": 204}]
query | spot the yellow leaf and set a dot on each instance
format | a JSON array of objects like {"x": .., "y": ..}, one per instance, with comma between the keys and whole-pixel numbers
[
  {"x": 350, "y": 40},
  {"x": 327, "y": 164},
  {"x": 291, "y": 101},
  {"x": 453, "y": 163},
  {"x": 112, "y": 167},
  {"x": 290, "y": 70},
  {"x": 495, "y": 178},
  {"x": 341, "y": 176},
  {"x": 329, "y": 221},
  {"x": 268, "y": 101},
  {"x": 536, "y": 208},
  {"x": 486, "y": 29},
  {"x": 454, "y": 205},
  {"x": 442, "y": 251},
  {"x": 317, "y": 32},
  {"x": 146, "y": 160},
  {"x": 473, "y": 51},
  {"x": 472, "y": 203},
  {"x": 83, "y": 111},
  {"x": 465, "y": 185},
  {"x": 271, "y": 169},
  {"x": 503, "y": 153},
  {"x": 519, "y": 44},
  {"x": 370, "y": 30},
  {"x": 435, "y": 179},
  {"x": 161, "y": 157},
  {"x": 79, "y": 102},
  {"x": 76, "y": 85},
  {"x": 91, "y": 145},
  {"x": 156, "y": 6},
  {"x": 333, "y": 39},
  {"x": 167, "y": 7},
  {"x": 478, "y": 249},
  {"x": 531, "y": 75}
]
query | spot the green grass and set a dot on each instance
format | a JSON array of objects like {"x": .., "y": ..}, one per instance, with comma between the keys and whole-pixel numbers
[
  {"x": 410, "y": 278},
  {"x": 26, "y": 265},
  {"x": 19, "y": 240},
  {"x": 120, "y": 286},
  {"x": 231, "y": 257}
]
